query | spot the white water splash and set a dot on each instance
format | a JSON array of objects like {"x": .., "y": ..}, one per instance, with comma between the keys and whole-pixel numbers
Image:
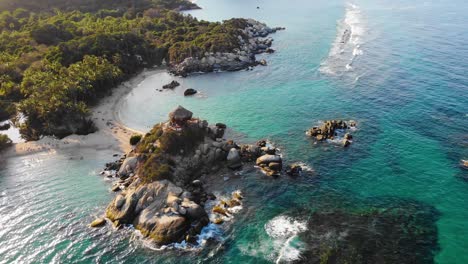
[
  {"x": 348, "y": 43},
  {"x": 284, "y": 229}
]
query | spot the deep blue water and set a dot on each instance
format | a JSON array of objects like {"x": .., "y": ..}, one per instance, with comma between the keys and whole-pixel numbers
[{"x": 401, "y": 77}]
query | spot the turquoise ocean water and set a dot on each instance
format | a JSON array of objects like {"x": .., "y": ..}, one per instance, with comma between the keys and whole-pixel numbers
[{"x": 401, "y": 75}]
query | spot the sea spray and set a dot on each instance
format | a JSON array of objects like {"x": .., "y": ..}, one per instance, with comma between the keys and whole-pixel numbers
[
  {"x": 348, "y": 43},
  {"x": 284, "y": 230}
]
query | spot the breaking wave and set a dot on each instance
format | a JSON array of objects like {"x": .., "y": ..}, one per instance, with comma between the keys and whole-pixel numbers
[
  {"x": 348, "y": 43},
  {"x": 284, "y": 230}
]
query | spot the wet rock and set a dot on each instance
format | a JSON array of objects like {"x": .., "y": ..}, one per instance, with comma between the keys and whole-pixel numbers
[
  {"x": 189, "y": 92},
  {"x": 124, "y": 213},
  {"x": 464, "y": 163},
  {"x": 194, "y": 210},
  {"x": 169, "y": 229},
  {"x": 115, "y": 188},
  {"x": 261, "y": 143},
  {"x": 270, "y": 164},
  {"x": 219, "y": 210},
  {"x": 329, "y": 130},
  {"x": 294, "y": 170},
  {"x": 119, "y": 201},
  {"x": 171, "y": 85},
  {"x": 128, "y": 166},
  {"x": 233, "y": 202},
  {"x": 348, "y": 136},
  {"x": 98, "y": 222},
  {"x": 218, "y": 221},
  {"x": 234, "y": 159},
  {"x": 267, "y": 159},
  {"x": 276, "y": 166},
  {"x": 237, "y": 195},
  {"x": 346, "y": 143},
  {"x": 221, "y": 125},
  {"x": 268, "y": 150}
]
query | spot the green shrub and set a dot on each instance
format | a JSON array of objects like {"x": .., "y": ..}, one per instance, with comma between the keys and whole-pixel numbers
[
  {"x": 135, "y": 139},
  {"x": 155, "y": 168},
  {"x": 5, "y": 142},
  {"x": 173, "y": 142},
  {"x": 146, "y": 144}
]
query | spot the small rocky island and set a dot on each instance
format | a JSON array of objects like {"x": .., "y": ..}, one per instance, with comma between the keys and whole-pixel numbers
[
  {"x": 332, "y": 129},
  {"x": 161, "y": 192}
]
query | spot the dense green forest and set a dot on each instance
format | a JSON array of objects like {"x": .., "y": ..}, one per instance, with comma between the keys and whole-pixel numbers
[
  {"x": 59, "y": 57},
  {"x": 94, "y": 5}
]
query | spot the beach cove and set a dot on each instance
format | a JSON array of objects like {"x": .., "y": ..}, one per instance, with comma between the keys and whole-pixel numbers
[{"x": 409, "y": 98}]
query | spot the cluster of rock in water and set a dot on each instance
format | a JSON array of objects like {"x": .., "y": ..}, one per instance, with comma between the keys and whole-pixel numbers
[
  {"x": 240, "y": 58},
  {"x": 171, "y": 85},
  {"x": 177, "y": 209},
  {"x": 329, "y": 130},
  {"x": 174, "y": 209},
  {"x": 174, "y": 84}
]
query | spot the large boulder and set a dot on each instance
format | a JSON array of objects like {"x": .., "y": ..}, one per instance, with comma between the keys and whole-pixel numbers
[
  {"x": 122, "y": 209},
  {"x": 98, "y": 222},
  {"x": 128, "y": 166},
  {"x": 169, "y": 229},
  {"x": 193, "y": 210},
  {"x": 270, "y": 164},
  {"x": 171, "y": 85},
  {"x": 189, "y": 92},
  {"x": 180, "y": 114},
  {"x": 294, "y": 170},
  {"x": 267, "y": 159},
  {"x": 234, "y": 159}
]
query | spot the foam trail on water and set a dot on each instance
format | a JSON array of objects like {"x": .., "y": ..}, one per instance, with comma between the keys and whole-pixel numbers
[
  {"x": 284, "y": 229},
  {"x": 348, "y": 43}
]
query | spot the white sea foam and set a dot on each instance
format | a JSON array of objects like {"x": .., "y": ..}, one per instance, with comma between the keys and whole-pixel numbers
[
  {"x": 284, "y": 230},
  {"x": 284, "y": 227},
  {"x": 208, "y": 232},
  {"x": 305, "y": 167},
  {"x": 348, "y": 43}
]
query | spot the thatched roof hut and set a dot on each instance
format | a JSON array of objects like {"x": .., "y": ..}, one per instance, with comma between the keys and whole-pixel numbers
[{"x": 180, "y": 114}]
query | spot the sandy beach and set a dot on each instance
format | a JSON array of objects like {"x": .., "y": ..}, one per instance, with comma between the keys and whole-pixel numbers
[{"x": 111, "y": 134}]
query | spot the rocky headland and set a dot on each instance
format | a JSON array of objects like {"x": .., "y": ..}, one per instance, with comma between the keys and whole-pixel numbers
[
  {"x": 162, "y": 191},
  {"x": 252, "y": 39}
]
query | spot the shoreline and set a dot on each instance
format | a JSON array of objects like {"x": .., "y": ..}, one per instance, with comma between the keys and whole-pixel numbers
[{"x": 112, "y": 134}]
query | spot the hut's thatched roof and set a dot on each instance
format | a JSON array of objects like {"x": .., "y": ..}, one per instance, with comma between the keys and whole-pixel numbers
[{"x": 180, "y": 114}]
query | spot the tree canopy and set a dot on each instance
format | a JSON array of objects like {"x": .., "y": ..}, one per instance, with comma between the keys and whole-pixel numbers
[{"x": 59, "y": 57}]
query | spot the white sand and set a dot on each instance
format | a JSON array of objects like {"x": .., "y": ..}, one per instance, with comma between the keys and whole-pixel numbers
[{"x": 111, "y": 134}]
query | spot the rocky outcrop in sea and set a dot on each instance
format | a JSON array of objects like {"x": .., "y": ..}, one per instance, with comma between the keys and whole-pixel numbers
[
  {"x": 333, "y": 129},
  {"x": 252, "y": 40},
  {"x": 160, "y": 191}
]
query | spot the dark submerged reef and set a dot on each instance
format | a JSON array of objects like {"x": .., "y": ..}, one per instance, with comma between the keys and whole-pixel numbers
[{"x": 388, "y": 231}]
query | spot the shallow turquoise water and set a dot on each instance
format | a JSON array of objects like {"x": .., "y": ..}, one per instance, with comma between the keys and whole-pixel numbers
[{"x": 405, "y": 85}]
